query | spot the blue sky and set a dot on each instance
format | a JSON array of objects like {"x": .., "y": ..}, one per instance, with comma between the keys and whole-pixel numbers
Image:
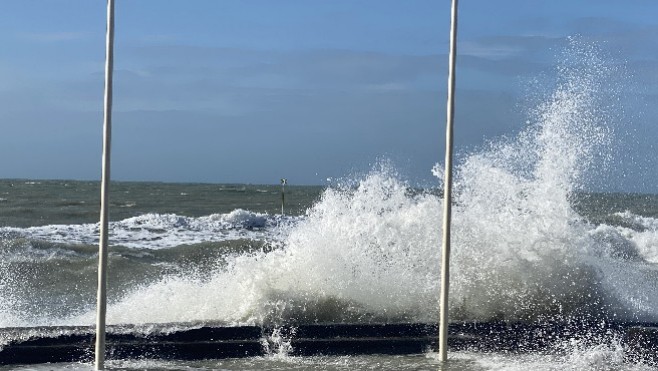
[{"x": 253, "y": 90}]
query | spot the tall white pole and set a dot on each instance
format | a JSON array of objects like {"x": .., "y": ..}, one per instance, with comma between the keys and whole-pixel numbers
[
  {"x": 105, "y": 188},
  {"x": 447, "y": 192}
]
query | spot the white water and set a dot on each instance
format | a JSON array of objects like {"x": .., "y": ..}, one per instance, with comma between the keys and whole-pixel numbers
[
  {"x": 370, "y": 252},
  {"x": 605, "y": 357},
  {"x": 159, "y": 231}
]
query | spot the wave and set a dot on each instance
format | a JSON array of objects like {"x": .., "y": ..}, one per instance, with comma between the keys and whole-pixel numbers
[
  {"x": 158, "y": 231},
  {"x": 643, "y": 237},
  {"x": 369, "y": 252}
]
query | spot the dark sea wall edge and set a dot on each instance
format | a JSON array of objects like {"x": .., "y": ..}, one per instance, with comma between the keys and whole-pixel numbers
[{"x": 189, "y": 342}]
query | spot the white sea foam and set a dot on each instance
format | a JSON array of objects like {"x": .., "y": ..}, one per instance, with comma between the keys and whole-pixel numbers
[
  {"x": 609, "y": 355},
  {"x": 157, "y": 231},
  {"x": 645, "y": 240}
]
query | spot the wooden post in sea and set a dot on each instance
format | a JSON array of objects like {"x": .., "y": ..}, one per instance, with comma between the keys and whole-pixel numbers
[
  {"x": 447, "y": 192},
  {"x": 105, "y": 190},
  {"x": 284, "y": 181}
]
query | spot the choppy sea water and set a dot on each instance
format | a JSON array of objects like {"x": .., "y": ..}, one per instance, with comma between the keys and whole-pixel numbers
[{"x": 530, "y": 244}]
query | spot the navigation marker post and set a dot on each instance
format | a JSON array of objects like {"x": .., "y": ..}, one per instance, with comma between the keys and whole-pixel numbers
[
  {"x": 447, "y": 191},
  {"x": 105, "y": 190},
  {"x": 284, "y": 181}
]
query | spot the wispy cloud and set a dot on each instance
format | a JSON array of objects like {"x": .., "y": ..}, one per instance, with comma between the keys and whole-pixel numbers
[
  {"x": 490, "y": 51},
  {"x": 504, "y": 47},
  {"x": 159, "y": 38},
  {"x": 48, "y": 37},
  {"x": 320, "y": 69}
]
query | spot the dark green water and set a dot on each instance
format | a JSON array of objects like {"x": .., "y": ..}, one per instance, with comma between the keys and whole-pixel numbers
[
  {"x": 27, "y": 203},
  {"x": 31, "y": 262}
]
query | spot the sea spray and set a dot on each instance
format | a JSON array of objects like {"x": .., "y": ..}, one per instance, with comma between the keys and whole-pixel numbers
[
  {"x": 521, "y": 251},
  {"x": 368, "y": 251},
  {"x": 7, "y": 299},
  {"x": 360, "y": 255},
  {"x": 278, "y": 343}
]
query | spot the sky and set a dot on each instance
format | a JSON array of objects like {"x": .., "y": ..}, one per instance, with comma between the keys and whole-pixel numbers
[{"x": 250, "y": 91}]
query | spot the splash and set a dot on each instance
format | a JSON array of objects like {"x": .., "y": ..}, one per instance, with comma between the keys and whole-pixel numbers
[
  {"x": 360, "y": 255},
  {"x": 278, "y": 344},
  {"x": 521, "y": 250},
  {"x": 368, "y": 252},
  {"x": 608, "y": 355}
]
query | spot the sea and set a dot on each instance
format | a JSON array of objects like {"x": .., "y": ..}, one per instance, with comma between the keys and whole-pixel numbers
[{"x": 533, "y": 241}]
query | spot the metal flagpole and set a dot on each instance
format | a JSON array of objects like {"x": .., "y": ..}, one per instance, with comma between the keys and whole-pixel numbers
[
  {"x": 105, "y": 187},
  {"x": 447, "y": 192}
]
